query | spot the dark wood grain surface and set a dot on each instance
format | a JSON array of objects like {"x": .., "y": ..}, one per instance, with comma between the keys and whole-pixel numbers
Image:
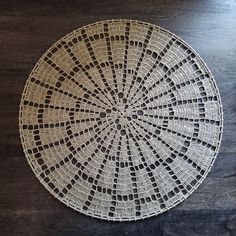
[{"x": 28, "y": 28}]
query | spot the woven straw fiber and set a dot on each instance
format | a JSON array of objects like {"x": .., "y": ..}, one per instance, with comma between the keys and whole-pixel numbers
[{"x": 121, "y": 120}]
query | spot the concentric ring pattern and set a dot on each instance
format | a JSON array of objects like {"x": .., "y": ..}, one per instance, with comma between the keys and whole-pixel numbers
[{"x": 121, "y": 120}]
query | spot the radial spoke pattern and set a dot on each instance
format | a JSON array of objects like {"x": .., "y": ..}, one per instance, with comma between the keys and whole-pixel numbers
[{"x": 121, "y": 120}]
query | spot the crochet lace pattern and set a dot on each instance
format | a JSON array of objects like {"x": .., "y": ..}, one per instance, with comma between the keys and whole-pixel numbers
[{"x": 121, "y": 120}]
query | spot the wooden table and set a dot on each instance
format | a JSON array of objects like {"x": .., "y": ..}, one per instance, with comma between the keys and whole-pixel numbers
[{"x": 28, "y": 28}]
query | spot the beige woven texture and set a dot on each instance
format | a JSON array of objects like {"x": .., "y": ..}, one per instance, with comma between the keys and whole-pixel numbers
[{"x": 121, "y": 120}]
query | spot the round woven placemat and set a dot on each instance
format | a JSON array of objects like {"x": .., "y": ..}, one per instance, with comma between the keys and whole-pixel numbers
[{"x": 121, "y": 120}]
